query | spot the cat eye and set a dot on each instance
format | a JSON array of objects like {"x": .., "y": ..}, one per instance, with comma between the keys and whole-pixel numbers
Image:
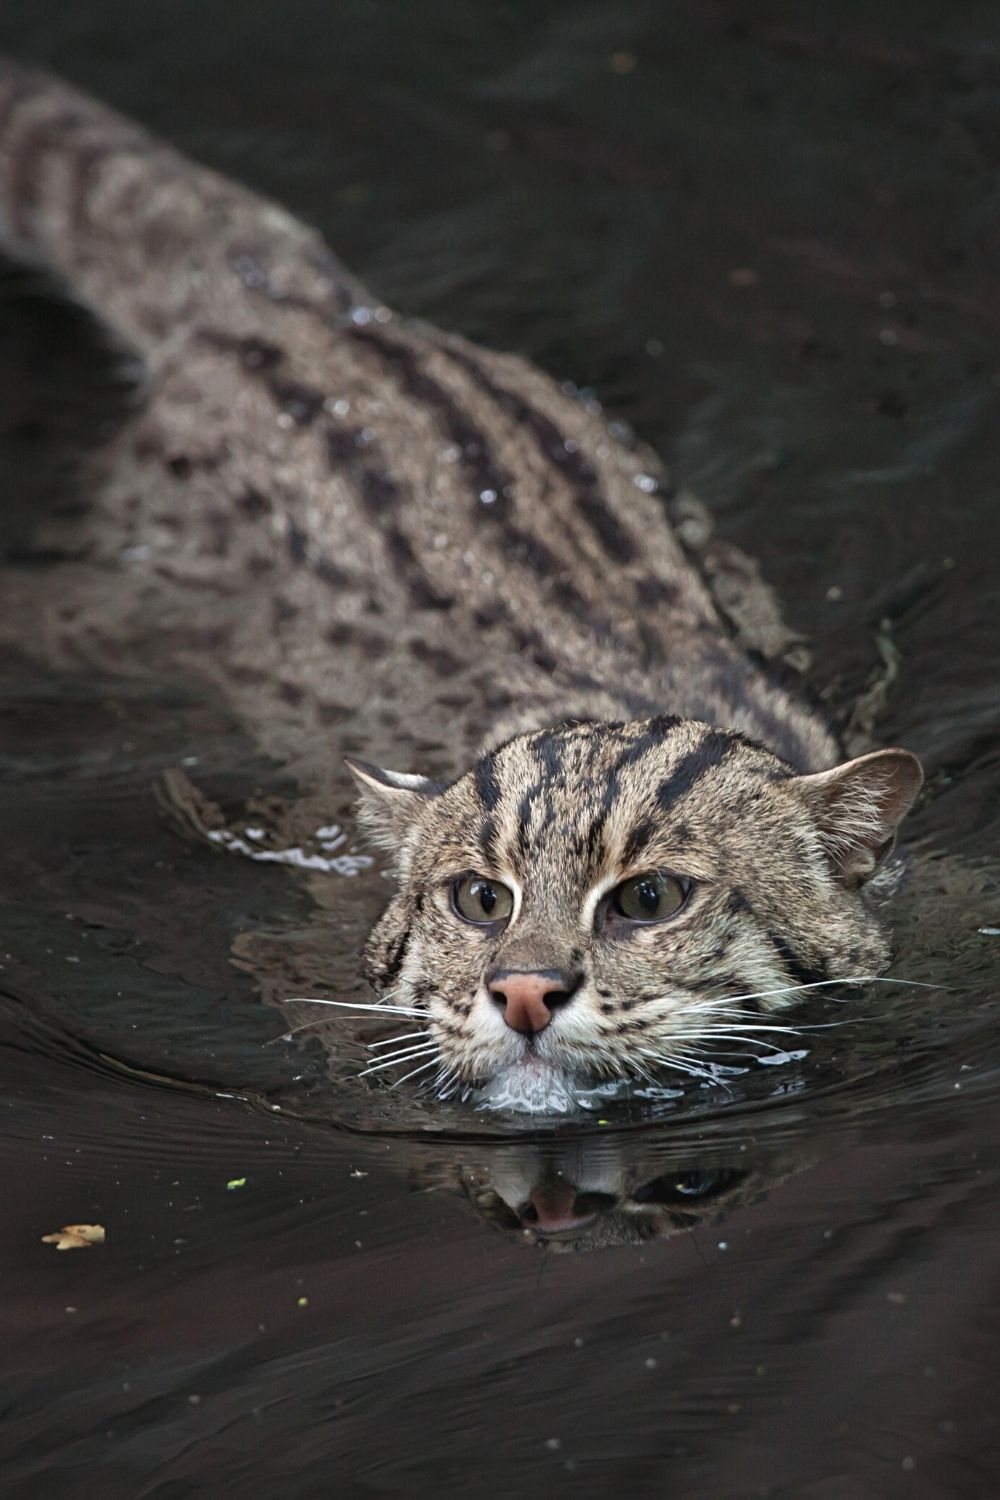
[
  {"x": 650, "y": 897},
  {"x": 686, "y": 1187},
  {"x": 479, "y": 899}
]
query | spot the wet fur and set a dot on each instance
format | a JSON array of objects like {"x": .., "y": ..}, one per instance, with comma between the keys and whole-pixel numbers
[
  {"x": 565, "y": 815},
  {"x": 364, "y": 530}
]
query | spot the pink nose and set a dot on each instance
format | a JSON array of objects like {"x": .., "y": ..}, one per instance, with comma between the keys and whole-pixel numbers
[
  {"x": 528, "y": 999},
  {"x": 557, "y": 1207}
]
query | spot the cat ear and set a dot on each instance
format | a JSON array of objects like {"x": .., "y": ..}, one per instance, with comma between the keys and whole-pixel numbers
[
  {"x": 389, "y": 800},
  {"x": 858, "y": 807}
]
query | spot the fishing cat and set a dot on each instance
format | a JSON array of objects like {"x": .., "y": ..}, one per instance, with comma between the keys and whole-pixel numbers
[
  {"x": 597, "y": 1192},
  {"x": 616, "y": 840}
]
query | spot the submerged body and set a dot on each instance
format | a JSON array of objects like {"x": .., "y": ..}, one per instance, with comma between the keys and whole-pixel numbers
[{"x": 617, "y": 837}]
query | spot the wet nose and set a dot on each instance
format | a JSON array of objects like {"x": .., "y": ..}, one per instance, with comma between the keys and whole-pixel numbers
[
  {"x": 557, "y": 1207},
  {"x": 528, "y": 997}
]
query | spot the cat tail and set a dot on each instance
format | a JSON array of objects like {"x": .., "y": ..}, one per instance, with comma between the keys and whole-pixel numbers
[{"x": 151, "y": 243}]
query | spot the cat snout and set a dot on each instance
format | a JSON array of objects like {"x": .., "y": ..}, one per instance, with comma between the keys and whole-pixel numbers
[
  {"x": 528, "y": 997},
  {"x": 559, "y": 1207}
]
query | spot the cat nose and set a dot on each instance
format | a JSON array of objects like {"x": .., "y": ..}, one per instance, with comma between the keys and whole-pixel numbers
[
  {"x": 528, "y": 997},
  {"x": 558, "y": 1207}
]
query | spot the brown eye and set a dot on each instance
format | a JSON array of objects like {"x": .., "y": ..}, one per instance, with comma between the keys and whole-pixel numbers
[
  {"x": 649, "y": 898},
  {"x": 479, "y": 899}
]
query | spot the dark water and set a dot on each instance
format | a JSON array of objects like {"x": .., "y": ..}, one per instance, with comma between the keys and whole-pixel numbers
[{"x": 767, "y": 236}]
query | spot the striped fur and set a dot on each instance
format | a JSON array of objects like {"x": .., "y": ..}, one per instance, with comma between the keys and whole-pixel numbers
[
  {"x": 564, "y": 816},
  {"x": 354, "y": 526}
]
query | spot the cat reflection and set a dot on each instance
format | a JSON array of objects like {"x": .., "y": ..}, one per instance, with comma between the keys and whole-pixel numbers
[{"x": 595, "y": 1194}]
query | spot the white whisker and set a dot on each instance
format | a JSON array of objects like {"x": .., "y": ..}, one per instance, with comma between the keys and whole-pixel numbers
[
  {"x": 397, "y": 1061},
  {"x": 686, "y": 1063},
  {"x": 407, "y": 1050},
  {"x": 446, "y": 1084},
  {"x": 673, "y": 1062},
  {"x": 746, "y": 1023},
  {"x": 414, "y": 1073},
  {"x": 820, "y": 984},
  {"x": 286, "y": 1036},
  {"x": 749, "y": 1041},
  {"x": 379, "y": 1008},
  {"x": 408, "y": 1036}
]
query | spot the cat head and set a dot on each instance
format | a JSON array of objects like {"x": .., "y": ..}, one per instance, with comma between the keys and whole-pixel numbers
[
  {"x": 601, "y": 1202},
  {"x": 601, "y": 901}
]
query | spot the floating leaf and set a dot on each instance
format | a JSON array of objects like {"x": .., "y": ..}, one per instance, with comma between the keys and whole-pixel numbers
[{"x": 76, "y": 1237}]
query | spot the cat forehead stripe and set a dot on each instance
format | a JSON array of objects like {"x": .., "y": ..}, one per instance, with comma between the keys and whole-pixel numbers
[{"x": 445, "y": 560}]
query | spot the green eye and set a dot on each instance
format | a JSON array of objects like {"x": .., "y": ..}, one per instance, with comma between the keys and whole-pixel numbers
[
  {"x": 649, "y": 898},
  {"x": 479, "y": 899}
]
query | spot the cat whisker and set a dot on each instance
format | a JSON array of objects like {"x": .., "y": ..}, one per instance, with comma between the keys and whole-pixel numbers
[
  {"x": 819, "y": 984},
  {"x": 675, "y": 1061},
  {"x": 707, "y": 1073},
  {"x": 725, "y": 1036},
  {"x": 357, "y": 1005},
  {"x": 643, "y": 1075},
  {"x": 446, "y": 1088},
  {"x": 286, "y": 1036},
  {"x": 406, "y": 1050},
  {"x": 408, "y": 1036},
  {"x": 716, "y": 1021},
  {"x": 686, "y": 1062},
  {"x": 400, "y": 1059},
  {"x": 749, "y": 1024},
  {"x": 414, "y": 1073}
]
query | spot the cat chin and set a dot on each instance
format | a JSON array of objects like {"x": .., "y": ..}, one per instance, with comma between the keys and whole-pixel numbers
[{"x": 531, "y": 1086}]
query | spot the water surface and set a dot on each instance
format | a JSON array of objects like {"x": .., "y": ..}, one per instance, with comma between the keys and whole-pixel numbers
[{"x": 766, "y": 237}]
